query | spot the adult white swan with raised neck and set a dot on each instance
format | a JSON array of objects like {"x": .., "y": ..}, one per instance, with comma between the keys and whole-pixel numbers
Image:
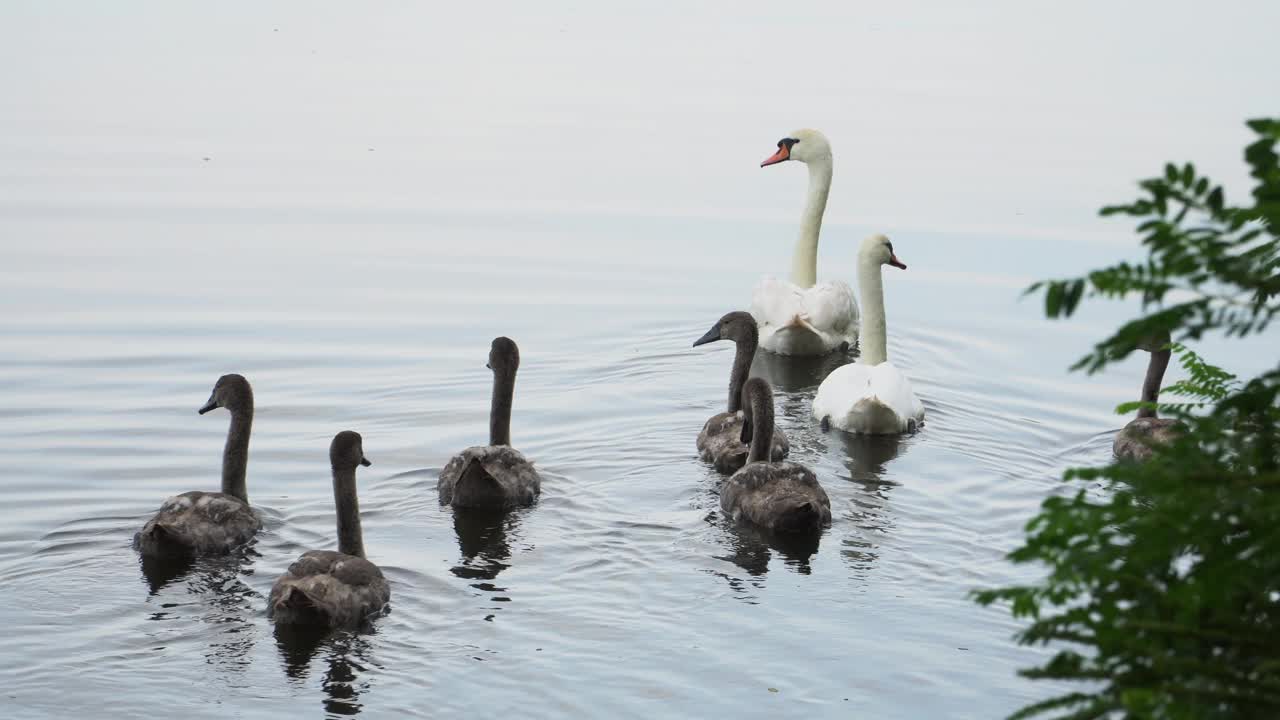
[
  {"x": 802, "y": 316},
  {"x": 870, "y": 396}
]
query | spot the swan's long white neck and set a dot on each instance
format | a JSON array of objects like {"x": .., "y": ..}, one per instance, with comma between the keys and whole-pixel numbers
[
  {"x": 872, "y": 338},
  {"x": 804, "y": 264}
]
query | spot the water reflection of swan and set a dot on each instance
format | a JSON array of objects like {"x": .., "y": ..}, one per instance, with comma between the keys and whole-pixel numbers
[
  {"x": 345, "y": 655},
  {"x": 217, "y": 575},
  {"x": 159, "y": 571},
  {"x": 298, "y": 645},
  {"x": 866, "y": 457},
  {"x": 341, "y": 683},
  {"x": 224, "y": 604},
  {"x": 750, "y": 547},
  {"x": 482, "y": 540},
  {"x": 792, "y": 374}
]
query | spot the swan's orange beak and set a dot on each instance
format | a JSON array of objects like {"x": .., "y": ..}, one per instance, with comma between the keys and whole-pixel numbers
[
  {"x": 894, "y": 261},
  {"x": 784, "y": 153}
]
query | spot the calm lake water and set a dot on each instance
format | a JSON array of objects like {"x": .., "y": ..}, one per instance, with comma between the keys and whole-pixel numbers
[
  {"x": 623, "y": 588},
  {"x": 342, "y": 211}
]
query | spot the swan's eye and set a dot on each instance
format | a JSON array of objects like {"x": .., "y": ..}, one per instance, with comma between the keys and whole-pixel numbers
[
  {"x": 889, "y": 245},
  {"x": 787, "y": 143}
]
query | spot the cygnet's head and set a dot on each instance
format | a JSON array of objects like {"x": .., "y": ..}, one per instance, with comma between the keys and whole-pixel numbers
[
  {"x": 736, "y": 326},
  {"x": 347, "y": 451},
  {"x": 1154, "y": 342},
  {"x": 805, "y": 145},
  {"x": 879, "y": 250},
  {"x": 231, "y": 392},
  {"x": 504, "y": 356}
]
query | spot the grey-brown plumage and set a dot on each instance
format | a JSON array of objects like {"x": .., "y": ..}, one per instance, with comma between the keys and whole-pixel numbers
[
  {"x": 496, "y": 475},
  {"x": 720, "y": 442},
  {"x": 778, "y": 496},
  {"x": 1138, "y": 440},
  {"x": 336, "y": 589},
  {"x": 200, "y": 523},
  {"x": 489, "y": 476}
]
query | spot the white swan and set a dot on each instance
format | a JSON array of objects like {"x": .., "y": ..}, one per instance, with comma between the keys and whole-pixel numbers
[
  {"x": 870, "y": 396},
  {"x": 803, "y": 316}
]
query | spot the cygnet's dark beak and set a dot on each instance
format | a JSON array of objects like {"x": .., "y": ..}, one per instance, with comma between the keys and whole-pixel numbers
[
  {"x": 488, "y": 365},
  {"x": 365, "y": 461},
  {"x": 712, "y": 335},
  {"x": 211, "y": 405}
]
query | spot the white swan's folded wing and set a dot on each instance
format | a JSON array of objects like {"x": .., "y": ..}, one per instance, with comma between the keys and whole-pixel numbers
[
  {"x": 775, "y": 302},
  {"x": 831, "y": 309},
  {"x": 876, "y": 400},
  {"x": 893, "y": 388},
  {"x": 840, "y": 391},
  {"x": 796, "y": 321}
]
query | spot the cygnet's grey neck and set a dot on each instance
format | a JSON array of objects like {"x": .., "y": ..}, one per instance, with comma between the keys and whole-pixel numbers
[
  {"x": 504, "y": 388},
  {"x": 350, "y": 536},
  {"x": 759, "y": 418},
  {"x": 742, "y": 357},
  {"x": 1151, "y": 384},
  {"x": 804, "y": 263},
  {"x": 235, "y": 455}
]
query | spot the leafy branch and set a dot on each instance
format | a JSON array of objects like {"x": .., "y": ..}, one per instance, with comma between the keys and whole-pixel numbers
[
  {"x": 1205, "y": 384},
  {"x": 1162, "y": 583},
  {"x": 1218, "y": 265}
]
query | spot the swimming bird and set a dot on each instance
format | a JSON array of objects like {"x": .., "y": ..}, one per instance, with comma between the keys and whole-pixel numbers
[
  {"x": 198, "y": 522},
  {"x": 334, "y": 589},
  {"x": 778, "y": 496},
  {"x": 871, "y": 396},
  {"x": 720, "y": 441},
  {"x": 803, "y": 316},
  {"x": 1138, "y": 439},
  {"x": 495, "y": 475}
]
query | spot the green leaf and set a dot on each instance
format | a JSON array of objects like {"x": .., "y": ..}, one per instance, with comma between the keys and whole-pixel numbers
[
  {"x": 1158, "y": 579},
  {"x": 1053, "y": 299}
]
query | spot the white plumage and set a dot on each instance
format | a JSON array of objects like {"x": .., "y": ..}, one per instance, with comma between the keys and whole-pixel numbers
[
  {"x": 871, "y": 396},
  {"x": 804, "y": 321},
  {"x": 802, "y": 316},
  {"x": 871, "y": 400}
]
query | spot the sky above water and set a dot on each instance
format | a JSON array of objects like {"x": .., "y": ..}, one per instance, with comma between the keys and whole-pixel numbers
[{"x": 1017, "y": 117}]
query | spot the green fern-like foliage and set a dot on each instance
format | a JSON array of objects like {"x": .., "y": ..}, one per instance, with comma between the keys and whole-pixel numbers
[
  {"x": 1161, "y": 594},
  {"x": 1222, "y": 262},
  {"x": 1205, "y": 385}
]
